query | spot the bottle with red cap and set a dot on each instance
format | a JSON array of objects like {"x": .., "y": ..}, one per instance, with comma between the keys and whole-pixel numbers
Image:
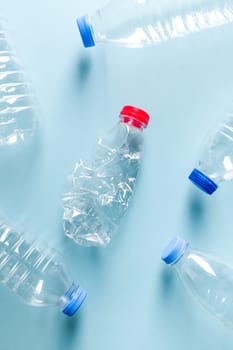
[{"x": 101, "y": 189}]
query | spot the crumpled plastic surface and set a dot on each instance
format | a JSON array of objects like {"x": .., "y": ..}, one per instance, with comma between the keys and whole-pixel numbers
[{"x": 101, "y": 190}]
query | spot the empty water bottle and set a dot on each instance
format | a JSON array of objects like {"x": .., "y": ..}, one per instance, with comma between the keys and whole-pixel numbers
[
  {"x": 208, "y": 279},
  {"x": 36, "y": 275},
  {"x": 18, "y": 111},
  {"x": 139, "y": 23},
  {"x": 102, "y": 189},
  {"x": 216, "y": 164}
]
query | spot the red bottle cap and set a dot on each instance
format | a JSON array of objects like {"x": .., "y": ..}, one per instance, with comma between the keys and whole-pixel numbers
[{"x": 135, "y": 116}]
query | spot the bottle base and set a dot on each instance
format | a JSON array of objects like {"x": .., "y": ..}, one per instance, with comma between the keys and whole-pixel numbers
[
  {"x": 82, "y": 230},
  {"x": 89, "y": 240}
]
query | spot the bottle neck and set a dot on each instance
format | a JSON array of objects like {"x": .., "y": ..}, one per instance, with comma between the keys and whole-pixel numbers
[
  {"x": 97, "y": 27},
  {"x": 132, "y": 121},
  {"x": 179, "y": 261}
]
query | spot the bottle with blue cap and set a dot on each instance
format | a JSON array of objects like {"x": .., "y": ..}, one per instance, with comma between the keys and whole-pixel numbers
[
  {"x": 207, "y": 277},
  {"x": 36, "y": 275},
  {"x": 140, "y": 23},
  {"x": 216, "y": 163}
]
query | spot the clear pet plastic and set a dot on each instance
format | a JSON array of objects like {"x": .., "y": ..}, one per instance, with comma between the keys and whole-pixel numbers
[
  {"x": 216, "y": 163},
  {"x": 208, "y": 279},
  {"x": 139, "y": 23},
  {"x": 102, "y": 189},
  {"x": 18, "y": 106},
  {"x": 36, "y": 275}
]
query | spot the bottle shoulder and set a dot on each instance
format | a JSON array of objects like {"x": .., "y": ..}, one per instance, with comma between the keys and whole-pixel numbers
[{"x": 198, "y": 263}]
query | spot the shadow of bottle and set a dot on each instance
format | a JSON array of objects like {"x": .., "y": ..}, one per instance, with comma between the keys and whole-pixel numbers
[
  {"x": 69, "y": 332},
  {"x": 83, "y": 69},
  {"x": 196, "y": 219},
  {"x": 167, "y": 283}
]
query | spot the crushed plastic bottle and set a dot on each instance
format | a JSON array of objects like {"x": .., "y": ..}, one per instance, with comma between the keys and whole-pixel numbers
[
  {"x": 139, "y": 23},
  {"x": 18, "y": 109},
  {"x": 36, "y": 275},
  {"x": 102, "y": 189},
  {"x": 216, "y": 164},
  {"x": 209, "y": 279}
]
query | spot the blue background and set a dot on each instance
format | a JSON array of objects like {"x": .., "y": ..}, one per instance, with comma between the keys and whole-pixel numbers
[{"x": 134, "y": 302}]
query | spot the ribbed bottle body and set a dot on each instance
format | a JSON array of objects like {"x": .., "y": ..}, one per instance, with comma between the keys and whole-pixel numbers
[
  {"x": 31, "y": 272},
  {"x": 139, "y": 23},
  {"x": 18, "y": 107}
]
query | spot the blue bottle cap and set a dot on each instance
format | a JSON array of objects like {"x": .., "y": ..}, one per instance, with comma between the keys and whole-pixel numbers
[
  {"x": 76, "y": 296},
  {"x": 86, "y": 31},
  {"x": 203, "y": 182},
  {"x": 174, "y": 250}
]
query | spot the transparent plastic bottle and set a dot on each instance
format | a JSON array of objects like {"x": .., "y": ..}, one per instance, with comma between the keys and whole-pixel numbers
[
  {"x": 216, "y": 164},
  {"x": 101, "y": 190},
  {"x": 18, "y": 110},
  {"x": 209, "y": 280},
  {"x": 139, "y": 23},
  {"x": 36, "y": 275}
]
